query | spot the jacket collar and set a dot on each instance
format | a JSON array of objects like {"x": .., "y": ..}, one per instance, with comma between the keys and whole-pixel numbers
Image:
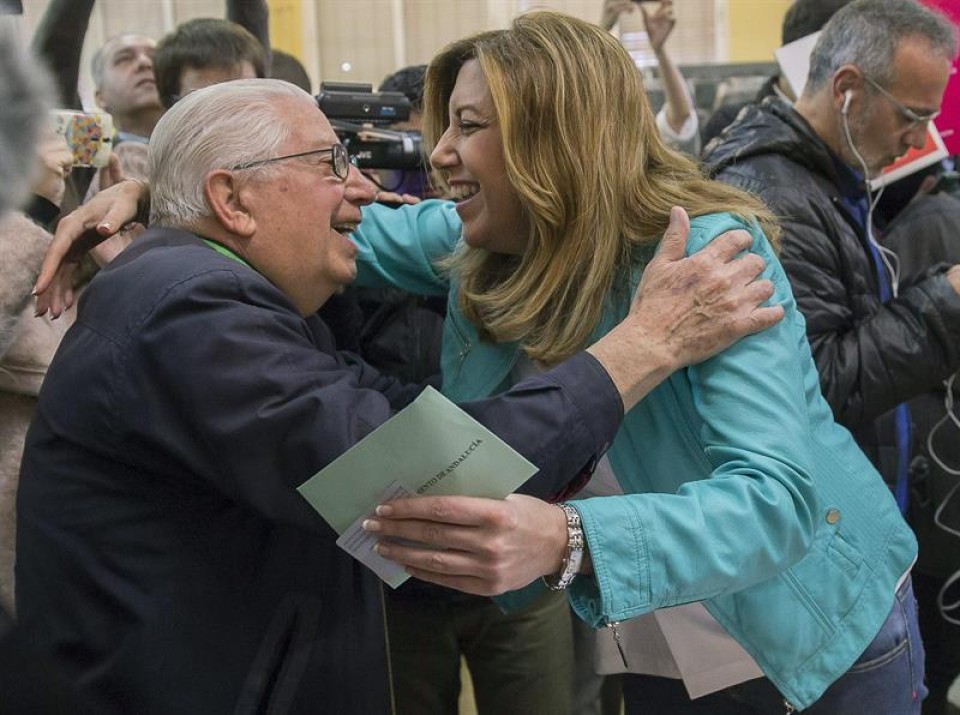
[{"x": 772, "y": 127}]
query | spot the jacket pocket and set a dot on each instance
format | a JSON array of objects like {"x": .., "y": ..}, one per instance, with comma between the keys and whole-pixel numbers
[
  {"x": 828, "y": 581},
  {"x": 790, "y": 618},
  {"x": 271, "y": 685}
]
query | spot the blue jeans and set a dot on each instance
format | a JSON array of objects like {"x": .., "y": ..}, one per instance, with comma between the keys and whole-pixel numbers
[{"x": 887, "y": 678}]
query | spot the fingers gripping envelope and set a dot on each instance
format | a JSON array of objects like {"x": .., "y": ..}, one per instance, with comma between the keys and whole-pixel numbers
[{"x": 431, "y": 447}]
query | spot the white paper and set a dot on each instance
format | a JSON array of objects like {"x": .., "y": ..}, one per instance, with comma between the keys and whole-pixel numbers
[{"x": 359, "y": 543}]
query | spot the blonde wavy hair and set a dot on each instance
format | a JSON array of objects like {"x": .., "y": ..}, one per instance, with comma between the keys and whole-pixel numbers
[{"x": 583, "y": 153}]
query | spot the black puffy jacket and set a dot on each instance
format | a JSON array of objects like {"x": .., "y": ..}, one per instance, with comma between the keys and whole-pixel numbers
[{"x": 871, "y": 356}]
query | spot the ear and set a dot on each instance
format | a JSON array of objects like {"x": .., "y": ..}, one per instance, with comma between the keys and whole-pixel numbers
[
  {"x": 98, "y": 99},
  {"x": 847, "y": 84},
  {"x": 222, "y": 193}
]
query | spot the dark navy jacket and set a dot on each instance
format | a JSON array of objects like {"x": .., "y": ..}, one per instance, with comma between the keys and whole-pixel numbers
[{"x": 164, "y": 557}]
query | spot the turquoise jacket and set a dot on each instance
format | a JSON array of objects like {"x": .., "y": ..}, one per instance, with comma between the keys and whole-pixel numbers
[{"x": 742, "y": 491}]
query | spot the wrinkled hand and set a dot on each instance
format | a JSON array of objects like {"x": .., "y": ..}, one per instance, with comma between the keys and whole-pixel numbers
[
  {"x": 702, "y": 304},
  {"x": 480, "y": 546},
  {"x": 77, "y": 233},
  {"x": 612, "y": 10},
  {"x": 686, "y": 309},
  {"x": 659, "y": 23}
]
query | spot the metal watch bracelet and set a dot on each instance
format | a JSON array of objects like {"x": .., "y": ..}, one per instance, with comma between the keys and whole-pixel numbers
[{"x": 573, "y": 556}]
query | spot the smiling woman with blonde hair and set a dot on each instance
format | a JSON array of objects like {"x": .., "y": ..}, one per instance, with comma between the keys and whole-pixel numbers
[
  {"x": 751, "y": 522},
  {"x": 583, "y": 155}
]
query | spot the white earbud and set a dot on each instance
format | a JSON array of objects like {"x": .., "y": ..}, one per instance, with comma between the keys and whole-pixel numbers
[{"x": 847, "y": 96}]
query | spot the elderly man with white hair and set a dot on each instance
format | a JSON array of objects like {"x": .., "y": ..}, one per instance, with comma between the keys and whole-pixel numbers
[{"x": 164, "y": 556}]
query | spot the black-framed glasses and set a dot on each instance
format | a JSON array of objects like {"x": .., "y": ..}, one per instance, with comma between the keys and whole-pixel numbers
[
  {"x": 338, "y": 160},
  {"x": 914, "y": 119}
]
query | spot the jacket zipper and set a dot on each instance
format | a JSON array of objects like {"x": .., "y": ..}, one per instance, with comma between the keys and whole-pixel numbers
[
  {"x": 612, "y": 625},
  {"x": 465, "y": 346}
]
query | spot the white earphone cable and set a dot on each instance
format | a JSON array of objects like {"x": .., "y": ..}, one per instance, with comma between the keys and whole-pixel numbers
[
  {"x": 891, "y": 260},
  {"x": 892, "y": 263}
]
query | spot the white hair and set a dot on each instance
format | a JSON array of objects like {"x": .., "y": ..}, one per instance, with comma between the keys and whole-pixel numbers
[
  {"x": 217, "y": 127},
  {"x": 24, "y": 92}
]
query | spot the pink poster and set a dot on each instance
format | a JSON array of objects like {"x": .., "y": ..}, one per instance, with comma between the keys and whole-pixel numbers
[{"x": 949, "y": 120}]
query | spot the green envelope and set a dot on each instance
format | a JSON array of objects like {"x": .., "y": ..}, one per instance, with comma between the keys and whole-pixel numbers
[{"x": 429, "y": 447}]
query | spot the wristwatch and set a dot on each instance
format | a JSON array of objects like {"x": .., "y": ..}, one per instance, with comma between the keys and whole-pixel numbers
[{"x": 573, "y": 556}]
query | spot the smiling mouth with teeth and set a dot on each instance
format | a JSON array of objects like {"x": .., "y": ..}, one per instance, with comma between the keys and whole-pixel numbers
[{"x": 461, "y": 192}]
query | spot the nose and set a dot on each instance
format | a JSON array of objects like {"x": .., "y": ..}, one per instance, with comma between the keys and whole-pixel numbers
[
  {"x": 144, "y": 59},
  {"x": 358, "y": 189},
  {"x": 444, "y": 154}
]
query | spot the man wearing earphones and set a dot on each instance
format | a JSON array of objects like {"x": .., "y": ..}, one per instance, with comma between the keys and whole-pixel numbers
[{"x": 877, "y": 78}]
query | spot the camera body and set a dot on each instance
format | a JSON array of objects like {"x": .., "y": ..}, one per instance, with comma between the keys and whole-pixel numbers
[
  {"x": 358, "y": 103},
  {"x": 359, "y": 117}
]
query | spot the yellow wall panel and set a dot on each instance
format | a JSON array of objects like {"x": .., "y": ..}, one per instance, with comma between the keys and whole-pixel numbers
[
  {"x": 286, "y": 26},
  {"x": 754, "y": 29}
]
